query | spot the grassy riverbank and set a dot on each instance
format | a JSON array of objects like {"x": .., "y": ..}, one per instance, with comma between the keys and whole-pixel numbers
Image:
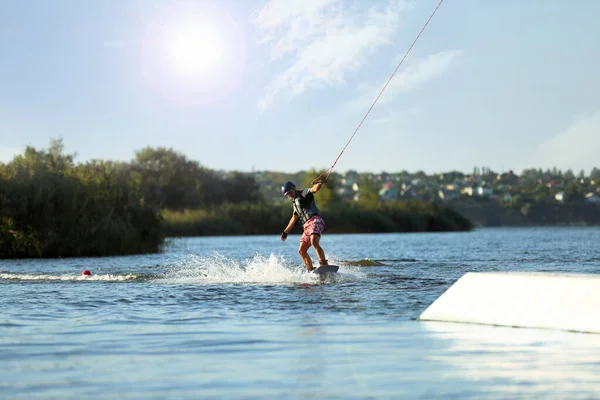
[{"x": 249, "y": 219}]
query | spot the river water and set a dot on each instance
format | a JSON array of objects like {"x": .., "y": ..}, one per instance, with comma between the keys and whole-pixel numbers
[{"x": 239, "y": 317}]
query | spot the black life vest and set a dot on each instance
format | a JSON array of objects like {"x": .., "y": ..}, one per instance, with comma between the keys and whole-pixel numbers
[{"x": 305, "y": 206}]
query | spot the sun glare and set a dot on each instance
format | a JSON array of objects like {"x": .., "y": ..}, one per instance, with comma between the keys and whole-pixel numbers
[{"x": 193, "y": 51}]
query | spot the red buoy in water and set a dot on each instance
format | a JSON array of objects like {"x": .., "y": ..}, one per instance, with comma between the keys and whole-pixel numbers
[{"x": 86, "y": 272}]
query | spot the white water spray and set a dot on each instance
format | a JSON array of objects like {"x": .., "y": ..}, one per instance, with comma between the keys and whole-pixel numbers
[
  {"x": 68, "y": 277},
  {"x": 259, "y": 269}
]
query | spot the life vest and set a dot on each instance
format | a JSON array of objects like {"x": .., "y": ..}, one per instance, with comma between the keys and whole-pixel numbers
[{"x": 305, "y": 206}]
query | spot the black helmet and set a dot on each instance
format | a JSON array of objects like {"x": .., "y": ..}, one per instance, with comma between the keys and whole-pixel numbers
[{"x": 286, "y": 187}]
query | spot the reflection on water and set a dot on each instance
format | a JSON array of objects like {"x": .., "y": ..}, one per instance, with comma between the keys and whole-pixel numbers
[{"x": 541, "y": 362}]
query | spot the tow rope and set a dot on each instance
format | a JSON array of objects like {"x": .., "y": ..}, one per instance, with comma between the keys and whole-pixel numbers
[{"x": 328, "y": 171}]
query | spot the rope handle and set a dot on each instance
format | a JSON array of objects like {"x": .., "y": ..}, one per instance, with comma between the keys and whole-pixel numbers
[{"x": 320, "y": 179}]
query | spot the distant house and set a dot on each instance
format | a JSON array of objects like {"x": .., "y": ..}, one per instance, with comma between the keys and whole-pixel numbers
[
  {"x": 592, "y": 198},
  {"x": 478, "y": 191},
  {"x": 484, "y": 191},
  {"x": 475, "y": 178},
  {"x": 555, "y": 185},
  {"x": 409, "y": 193},
  {"x": 447, "y": 195},
  {"x": 507, "y": 198},
  {"x": 343, "y": 191},
  {"x": 349, "y": 181},
  {"x": 560, "y": 197},
  {"x": 469, "y": 190},
  {"x": 389, "y": 192},
  {"x": 349, "y": 187}
]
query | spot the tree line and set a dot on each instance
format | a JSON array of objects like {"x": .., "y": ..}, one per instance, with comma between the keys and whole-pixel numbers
[{"x": 51, "y": 206}]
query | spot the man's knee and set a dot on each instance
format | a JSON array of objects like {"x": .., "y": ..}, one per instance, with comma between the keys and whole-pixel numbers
[
  {"x": 303, "y": 251},
  {"x": 314, "y": 239}
]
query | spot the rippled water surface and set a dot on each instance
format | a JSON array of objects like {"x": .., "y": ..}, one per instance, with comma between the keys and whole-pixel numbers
[{"x": 239, "y": 317}]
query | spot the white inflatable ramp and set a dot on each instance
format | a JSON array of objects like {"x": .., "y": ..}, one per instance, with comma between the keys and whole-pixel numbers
[{"x": 526, "y": 300}]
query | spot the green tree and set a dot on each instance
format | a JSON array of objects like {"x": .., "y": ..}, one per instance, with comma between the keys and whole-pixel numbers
[
  {"x": 327, "y": 196},
  {"x": 172, "y": 181},
  {"x": 569, "y": 175},
  {"x": 574, "y": 192},
  {"x": 240, "y": 187},
  {"x": 50, "y": 207},
  {"x": 369, "y": 193},
  {"x": 53, "y": 159},
  {"x": 542, "y": 193}
]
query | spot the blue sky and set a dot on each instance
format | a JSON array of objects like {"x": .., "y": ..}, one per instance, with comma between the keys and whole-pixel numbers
[{"x": 282, "y": 85}]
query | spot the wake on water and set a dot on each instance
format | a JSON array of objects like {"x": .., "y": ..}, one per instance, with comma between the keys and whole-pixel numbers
[
  {"x": 215, "y": 269},
  {"x": 69, "y": 277}
]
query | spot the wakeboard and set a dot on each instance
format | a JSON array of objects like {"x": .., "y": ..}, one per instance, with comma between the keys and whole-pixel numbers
[{"x": 326, "y": 269}]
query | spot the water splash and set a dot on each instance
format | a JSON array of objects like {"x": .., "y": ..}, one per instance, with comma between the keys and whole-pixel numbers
[
  {"x": 259, "y": 269},
  {"x": 69, "y": 277},
  {"x": 214, "y": 269}
]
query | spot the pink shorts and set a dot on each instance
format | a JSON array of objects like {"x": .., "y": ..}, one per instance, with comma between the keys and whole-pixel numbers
[{"x": 314, "y": 225}]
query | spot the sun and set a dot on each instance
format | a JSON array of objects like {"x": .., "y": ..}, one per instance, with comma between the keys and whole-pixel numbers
[{"x": 193, "y": 50}]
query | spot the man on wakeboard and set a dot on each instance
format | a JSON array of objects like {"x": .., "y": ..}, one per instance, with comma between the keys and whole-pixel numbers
[{"x": 305, "y": 210}]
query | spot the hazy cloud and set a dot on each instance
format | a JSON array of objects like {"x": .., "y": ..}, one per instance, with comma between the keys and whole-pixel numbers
[
  {"x": 576, "y": 148},
  {"x": 319, "y": 41},
  {"x": 408, "y": 78}
]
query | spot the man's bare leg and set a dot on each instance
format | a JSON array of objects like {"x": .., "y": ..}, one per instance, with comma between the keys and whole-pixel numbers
[
  {"x": 303, "y": 251},
  {"x": 314, "y": 241}
]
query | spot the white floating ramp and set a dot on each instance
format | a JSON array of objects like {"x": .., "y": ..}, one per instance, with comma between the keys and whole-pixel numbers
[{"x": 526, "y": 300}]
